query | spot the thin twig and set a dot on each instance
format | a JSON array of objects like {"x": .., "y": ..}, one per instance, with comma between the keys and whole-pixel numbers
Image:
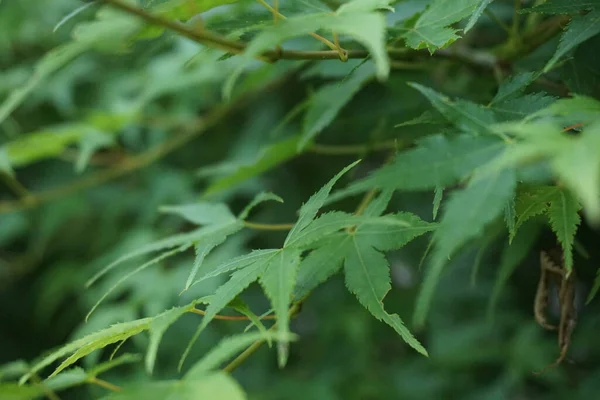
[
  {"x": 106, "y": 385},
  {"x": 268, "y": 227},
  {"x": 229, "y": 317}
]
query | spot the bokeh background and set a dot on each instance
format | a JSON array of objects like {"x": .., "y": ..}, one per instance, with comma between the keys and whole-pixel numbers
[{"x": 48, "y": 252}]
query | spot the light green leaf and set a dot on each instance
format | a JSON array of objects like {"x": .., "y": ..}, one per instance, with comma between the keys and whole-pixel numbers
[
  {"x": 217, "y": 385},
  {"x": 256, "y": 256},
  {"x": 580, "y": 29},
  {"x": 477, "y": 14},
  {"x": 240, "y": 306},
  {"x": 205, "y": 246},
  {"x": 579, "y": 167},
  {"x": 158, "y": 327},
  {"x": 86, "y": 345},
  {"x": 431, "y": 29},
  {"x": 142, "y": 267},
  {"x": 469, "y": 117},
  {"x": 113, "y": 363},
  {"x": 239, "y": 281},
  {"x": 513, "y": 255},
  {"x": 510, "y": 217},
  {"x": 467, "y": 213},
  {"x": 271, "y": 156},
  {"x": 437, "y": 200},
  {"x": 513, "y": 86},
  {"x": 90, "y": 142},
  {"x": 436, "y": 161},
  {"x": 563, "y": 6},
  {"x": 46, "y": 66},
  {"x": 259, "y": 198},
  {"x": 366, "y": 28},
  {"x": 278, "y": 281},
  {"x": 368, "y": 278},
  {"x": 309, "y": 210},
  {"x": 188, "y": 239},
  {"x": 319, "y": 266},
  {"x": 229, "y": 347},
  {"x": 327, "y": 102},
  {"x": 564, "y": 220},
  {"x": 530, "y": 203},
  {"x": 365, "y": 5},
  {"x": 201, "y": 213}
]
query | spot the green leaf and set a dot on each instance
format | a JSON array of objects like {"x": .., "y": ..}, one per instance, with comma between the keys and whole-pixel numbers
[
  {"x": 201, "y": 213},
  {"x": 437, "y": 200},
  {"x": 595, "y": 288},
  {"x": 158, "y": 327},
  {"x": 46, "y": 66},
  {"x": 229, "y": 347},
  {"x": 183, "y": 239},
  {"x": 240, "y": 280},
  {"x": 579, "y": 167},
  {"x": 142, "y": 267},
  {"x": 580, "y": 29},
  {"x": 513, "y": 86},
  {"x": 271, "y": 156},
  {"x": 217, "y": 385},
  {"x": 113, "y": 363},
  {"x": 309, "y": 210},
  {"x": 240, "y": 306},
  {"x": 367, "y": 28},
  {"x": 278, "y": 281},
  {"x": 477, "y": 14},
  {"x": 513, "y": 255},
  {"x": 205, "y": 246},
  {"x": 368, "y": 278},
  {"x": 246, "y": 260},
  {"x": 259, "y": 198},
  {"x": 327, "y": 102},
  {"x": 431, "y": 29},
  {"x": 563, "y": 6},
  {"x": 466, "y": 214},
  {"x": 436, "y": 161},
  {"x": 469, "y": 117},
  {"x": 357, "y": 250},
  {"x": 564, "y": 220},
  {"x": 530, "y": 203},
  {"x": 86, "y": 345},
  {"x": 364, "y": 6}
]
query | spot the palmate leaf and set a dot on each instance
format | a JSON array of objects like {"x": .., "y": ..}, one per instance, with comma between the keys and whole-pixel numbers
[
  {"x": 580, "y": 29},
  {"x": 217, "y": 385},
  {"x": 465, "y": 115},
  {"x": 278, "y": 281},
  {"x": 467, "y": 213},
  {"x": 309, "y": 210},
  {"x": 86, "y": 345},
  {"x": 513, "y": 254},
  {"x": 563, "y": 6},
  {"x": 431, "y": 30},
  {"x": 579, "y": 168},
  {"x": 201, "y": 213},
  {"x": 564, "y": 220},
  {"x": 327, "y": 102},
  {"x": 436, "y": 161},
  {"x": 366, "y": 270},
  {"x": 259, "y": 198},
  {"x": 530, "y": 203},
  {"x": 368, "y": 28},
  {"x": 227, "y": 348},
  {"x": 477, "y": 14},
  {"x": 513, "y": 86},
  {"x": 272, "y": 156}
]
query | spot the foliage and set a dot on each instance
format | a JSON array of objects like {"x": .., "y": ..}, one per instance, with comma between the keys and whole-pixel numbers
[{"x": 141, "y": 146}]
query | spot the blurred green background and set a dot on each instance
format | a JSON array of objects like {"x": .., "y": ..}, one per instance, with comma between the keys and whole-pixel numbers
[{"x": 48, "y": 252}]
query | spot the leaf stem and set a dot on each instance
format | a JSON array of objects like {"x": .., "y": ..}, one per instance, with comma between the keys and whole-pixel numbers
[
  {"x": 239, "y": 360},
  {"x": 229, "y": 317},
  {"x": 268, "y": 227},
  {"x": 277, "y": 14},
  {"x": 106, "y": 385}
]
